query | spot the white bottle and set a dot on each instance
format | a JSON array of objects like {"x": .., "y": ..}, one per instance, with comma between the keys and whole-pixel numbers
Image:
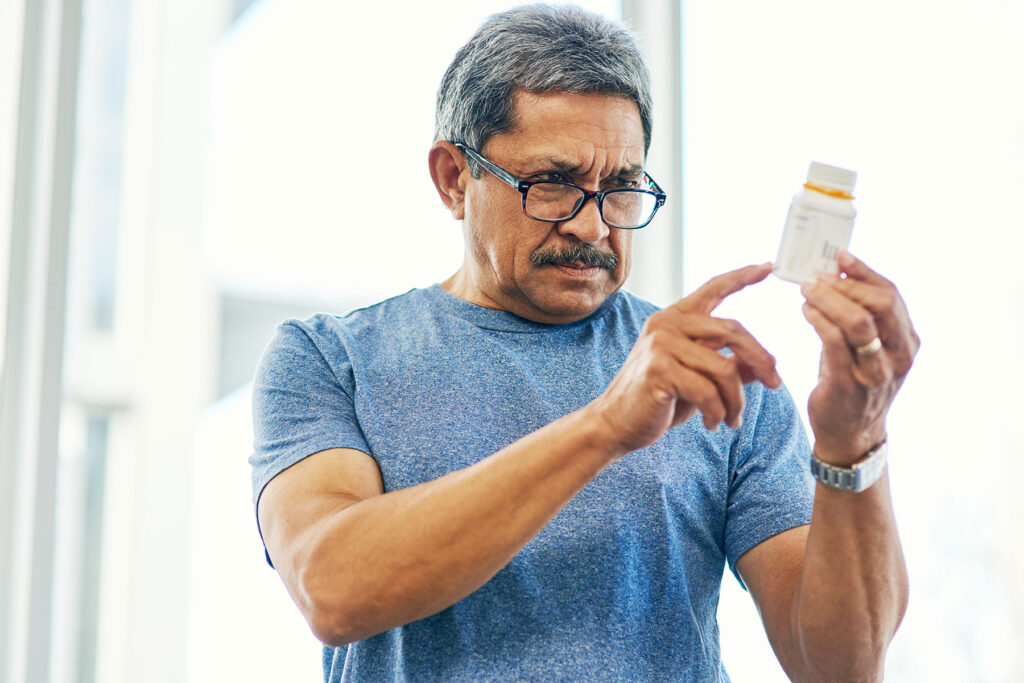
[{"x": 819, "y": 224}]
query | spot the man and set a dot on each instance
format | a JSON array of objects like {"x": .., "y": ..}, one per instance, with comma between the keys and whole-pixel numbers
[{"x": 523, "y": 473}]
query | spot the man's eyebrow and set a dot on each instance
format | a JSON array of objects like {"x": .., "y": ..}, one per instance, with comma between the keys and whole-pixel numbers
[
  {"x": 564, "y": 166},
  {"x": 632, "y": 170},
  {"x": 551, "y": 164}
]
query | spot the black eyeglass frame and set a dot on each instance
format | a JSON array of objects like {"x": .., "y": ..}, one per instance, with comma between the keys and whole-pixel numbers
[{"x": 524, "y": 186}]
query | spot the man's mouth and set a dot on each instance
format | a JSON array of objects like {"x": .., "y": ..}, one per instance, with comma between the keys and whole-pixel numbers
[{"x": 577, "y": 269}]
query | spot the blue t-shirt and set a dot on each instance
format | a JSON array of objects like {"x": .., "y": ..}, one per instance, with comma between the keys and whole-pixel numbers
[{"x": 623, "y": 583}]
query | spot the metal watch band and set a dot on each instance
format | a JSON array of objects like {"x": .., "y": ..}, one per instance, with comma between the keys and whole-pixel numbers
[{"x": 858, "y": 477}]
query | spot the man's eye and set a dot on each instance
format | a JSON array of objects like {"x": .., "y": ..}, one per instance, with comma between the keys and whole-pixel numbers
[{"x": 553, "y": 176}]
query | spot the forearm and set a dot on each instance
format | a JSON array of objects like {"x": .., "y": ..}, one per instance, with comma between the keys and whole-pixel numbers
[
  {"x": 407, "y": 554},
  {"x": 852, "y": 590}
]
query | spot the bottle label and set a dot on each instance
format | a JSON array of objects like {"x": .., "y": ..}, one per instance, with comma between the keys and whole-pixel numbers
[{"x": 811, "y": 241}]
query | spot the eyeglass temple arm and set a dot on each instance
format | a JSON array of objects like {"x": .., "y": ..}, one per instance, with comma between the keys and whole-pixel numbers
[
  {"x": 490, "y": 165},
  {"x": 661, "y": 196}
]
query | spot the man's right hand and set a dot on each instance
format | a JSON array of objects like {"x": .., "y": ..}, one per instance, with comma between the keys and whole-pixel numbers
[{"x": 675, "y": 368}]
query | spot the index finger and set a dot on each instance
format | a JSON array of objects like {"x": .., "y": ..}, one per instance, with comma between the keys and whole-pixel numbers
[{"x": 708, "y": 296}]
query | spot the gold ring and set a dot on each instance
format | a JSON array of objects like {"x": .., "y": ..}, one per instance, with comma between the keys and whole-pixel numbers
[{"x": 871, "y": 348}]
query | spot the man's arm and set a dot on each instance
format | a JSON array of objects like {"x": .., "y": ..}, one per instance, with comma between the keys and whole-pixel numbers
[
  {"x": 358, "y": 561},
  {"x": 832, "y": 594}
]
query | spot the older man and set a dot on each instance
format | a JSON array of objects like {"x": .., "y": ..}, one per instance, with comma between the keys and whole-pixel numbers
[{"x": 527, "y": 473}]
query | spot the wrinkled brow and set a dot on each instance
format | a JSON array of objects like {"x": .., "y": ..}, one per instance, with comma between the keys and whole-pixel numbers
[{"x": 547, "y": 163}]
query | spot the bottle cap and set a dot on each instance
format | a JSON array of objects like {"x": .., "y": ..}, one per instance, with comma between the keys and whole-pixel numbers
[{"x": 831, "y": 177}]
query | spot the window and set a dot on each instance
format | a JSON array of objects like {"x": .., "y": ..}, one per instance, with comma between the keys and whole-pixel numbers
[{"x": 217, "y": 144}]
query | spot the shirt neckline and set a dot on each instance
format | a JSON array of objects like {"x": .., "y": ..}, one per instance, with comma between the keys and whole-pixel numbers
[{"x": 503, "y": 321}]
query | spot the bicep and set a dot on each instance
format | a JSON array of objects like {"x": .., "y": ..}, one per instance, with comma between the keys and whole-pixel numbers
[
  {"x": 771, "y": 570},
  {"x": 296, "y": 504}
]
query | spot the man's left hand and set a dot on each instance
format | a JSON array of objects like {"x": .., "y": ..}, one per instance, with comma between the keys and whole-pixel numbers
[{"x": 858, "y": 379}]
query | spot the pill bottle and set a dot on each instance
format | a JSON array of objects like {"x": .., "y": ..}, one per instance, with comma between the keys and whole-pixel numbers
[{"x": 819, "y": 224}]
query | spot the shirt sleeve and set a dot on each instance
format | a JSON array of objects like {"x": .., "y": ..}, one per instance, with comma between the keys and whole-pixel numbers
[
  {"x": 302, "y": 401},
  {"x": 770, "y": 488}
]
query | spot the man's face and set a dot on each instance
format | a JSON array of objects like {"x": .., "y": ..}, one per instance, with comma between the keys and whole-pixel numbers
[{"x": 595, "y": 141}]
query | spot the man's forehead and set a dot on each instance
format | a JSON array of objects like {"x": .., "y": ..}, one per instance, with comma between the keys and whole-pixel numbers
[
  {"x": 561, "y": 131},
  {"x": 598, "y": 110}
]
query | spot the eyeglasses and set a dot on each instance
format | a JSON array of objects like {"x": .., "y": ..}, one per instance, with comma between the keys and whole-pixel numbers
[{"x": 627, "y": 208}]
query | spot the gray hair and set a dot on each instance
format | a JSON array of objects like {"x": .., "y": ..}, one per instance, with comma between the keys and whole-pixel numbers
[{"x": 536, "y": 48}]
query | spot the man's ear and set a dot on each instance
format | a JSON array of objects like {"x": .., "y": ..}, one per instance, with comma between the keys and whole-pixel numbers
[{"x": 448, "y": 170}]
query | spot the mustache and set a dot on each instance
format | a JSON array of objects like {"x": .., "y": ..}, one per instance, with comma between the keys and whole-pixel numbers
[{"x": 573, "y": 254}]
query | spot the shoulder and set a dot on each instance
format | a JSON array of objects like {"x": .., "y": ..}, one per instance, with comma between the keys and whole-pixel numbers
[
  {"x": 775, "y": 409},
  {"x": 327, "y": 342},
  {"x": 772, "y": 439},
  {"x": 324, "y": 331},
  {"x": 395, "y": 309}
]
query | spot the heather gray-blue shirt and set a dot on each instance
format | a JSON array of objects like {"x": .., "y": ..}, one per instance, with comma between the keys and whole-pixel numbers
[{"x": 623, "y": 583}]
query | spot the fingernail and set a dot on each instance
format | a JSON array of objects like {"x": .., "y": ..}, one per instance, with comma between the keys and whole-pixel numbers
[
  {"x": 828, "y": 278},
  {"x": 805, "y": 287}
]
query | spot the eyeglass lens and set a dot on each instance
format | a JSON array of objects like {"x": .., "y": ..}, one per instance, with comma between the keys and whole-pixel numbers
[{"x": 554, "y": 201}]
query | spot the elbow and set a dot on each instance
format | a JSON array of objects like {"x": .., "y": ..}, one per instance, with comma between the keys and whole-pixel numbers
[
  {"x": 329, "y": 629},
  {"x": 334, "y": 618},
  {"x": 334, "y": 607}
]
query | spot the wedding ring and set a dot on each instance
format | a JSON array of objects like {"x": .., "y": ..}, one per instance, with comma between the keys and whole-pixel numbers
[{"x": 872, "y": 347}]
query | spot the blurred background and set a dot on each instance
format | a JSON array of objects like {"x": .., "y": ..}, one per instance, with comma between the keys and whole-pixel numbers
[{"x": 176, "y": 177}]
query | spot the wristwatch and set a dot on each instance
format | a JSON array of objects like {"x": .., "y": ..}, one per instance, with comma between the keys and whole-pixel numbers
[{"x": 857, "y": 477}]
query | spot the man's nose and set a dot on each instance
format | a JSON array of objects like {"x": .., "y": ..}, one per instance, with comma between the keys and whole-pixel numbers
[{"x": 586, "y": 226}]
